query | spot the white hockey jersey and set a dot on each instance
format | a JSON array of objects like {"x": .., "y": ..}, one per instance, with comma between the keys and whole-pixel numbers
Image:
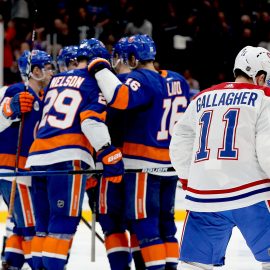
[{"x": 221, "y": 146}]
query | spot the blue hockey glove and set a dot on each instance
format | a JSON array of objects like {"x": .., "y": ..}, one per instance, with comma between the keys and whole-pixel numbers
[
  {"x": 113, "y": 166},
  {"x": 98, "y": 64}
]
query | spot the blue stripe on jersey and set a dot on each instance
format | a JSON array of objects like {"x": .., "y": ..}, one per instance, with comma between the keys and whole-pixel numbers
[{"x": 234, "y": 198}]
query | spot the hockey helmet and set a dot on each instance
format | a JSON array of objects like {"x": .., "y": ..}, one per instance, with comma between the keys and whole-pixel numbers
[
  {"x": 66, "y": 55},
  {"x": 91, "y": 48},
  {"x": 120, "y": 51},
  {"x": 142, "y": 47},
  {"x": 251, "y": 60},
  {"x": 38, "y": 59}
]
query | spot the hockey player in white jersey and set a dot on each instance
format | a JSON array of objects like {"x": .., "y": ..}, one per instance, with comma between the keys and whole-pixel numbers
[{"x": 220, "y": 149}]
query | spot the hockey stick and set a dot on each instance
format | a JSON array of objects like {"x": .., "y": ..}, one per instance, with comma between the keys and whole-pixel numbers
[
  {"x": 70, "y": 172},
  {"x": 99, "y": 237},
  {"x": 21, "y": 125},
  {"x": 93, "y": 238}
]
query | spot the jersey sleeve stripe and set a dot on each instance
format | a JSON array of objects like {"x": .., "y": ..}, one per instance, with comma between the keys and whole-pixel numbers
[
  {"x": 164, "y": 73},
  {"x": 122, "y": 98},
  {"x": 8, "y": 160},
  {"x": 60, "y": 141},
  {"x": 229, "y": 190},
  {"x": 92, "y": 114},
  {"x": 140, "y": 150}
]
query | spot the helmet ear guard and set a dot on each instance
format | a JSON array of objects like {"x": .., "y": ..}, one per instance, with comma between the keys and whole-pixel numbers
[{"x": 251, "y": 60}]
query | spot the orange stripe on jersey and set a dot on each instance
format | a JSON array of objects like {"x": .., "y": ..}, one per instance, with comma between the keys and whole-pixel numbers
[
  {"x": 9, "y": 161},
  {"x": 103, "y": 196},
  {"x": 141, "y": 195},
  {"x": 56, "y": 246},
  {"x": 87, "y": 114},
  {"x": 163, "y": 73},
  {"x": 152, "y": 254},
  {"x": 116, "y": 240},
  {"x": 37, "y": 245},
  {"x": 140, "y": 150},
  {"x": 61, "y": 140},
  {"x": 122, "y": 98},
  {"x": 14, "y": 242},
  {"x": 172, "y": 250},
  {"x": 27, "y": 207},
  {"x": 76, "y": 190},
  {"x": 26, "y": 246}
]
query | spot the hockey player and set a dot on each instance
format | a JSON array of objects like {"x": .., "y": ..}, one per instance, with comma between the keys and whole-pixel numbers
[
  {"x": 71, "y": 130},
  {"x": 16, "y": 101},
  {"x": 67, "y": 58},
  {"x": 221, "y": 150},
  {"x": 116, "y": 121},
  {"x": 154, "y": 102},
  {"x": 109, "y": 196}
]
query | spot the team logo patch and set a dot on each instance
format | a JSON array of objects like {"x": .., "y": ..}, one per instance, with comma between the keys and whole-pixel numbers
[
  {"x": 36, "y": 106},
  {"x": 60, "y": 203}
]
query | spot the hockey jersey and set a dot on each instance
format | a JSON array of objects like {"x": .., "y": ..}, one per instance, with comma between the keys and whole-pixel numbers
[
  {"x": 71, "y": 97},
  {"x": 9, "y": 137},
  {"x": 154, "y": 102},
  {"x": 221, "y": 146},
  {"x": 116, "y": 120}
]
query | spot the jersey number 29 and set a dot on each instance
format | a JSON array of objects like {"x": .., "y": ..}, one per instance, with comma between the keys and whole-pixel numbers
[{"x": 58, "y": 102}]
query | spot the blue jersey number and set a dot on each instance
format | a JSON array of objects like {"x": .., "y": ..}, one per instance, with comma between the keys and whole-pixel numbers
[{"x": 228, "y": 150}]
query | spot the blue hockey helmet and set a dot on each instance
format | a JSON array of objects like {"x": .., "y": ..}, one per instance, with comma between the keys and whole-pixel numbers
[
  {"x": 91, "y": 48},
  {"x": 142, "y": 47},
  {"x": 66, "y": 55},
  {"x": 120, "y": 48},
  {"x": 38, "y": 59}
]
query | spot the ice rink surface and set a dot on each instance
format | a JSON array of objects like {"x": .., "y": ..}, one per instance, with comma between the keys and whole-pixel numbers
[{"x": 238, "y": 255}]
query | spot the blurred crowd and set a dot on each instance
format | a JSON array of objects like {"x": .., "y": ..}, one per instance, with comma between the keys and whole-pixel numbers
[{"x": 198, "y": 38}]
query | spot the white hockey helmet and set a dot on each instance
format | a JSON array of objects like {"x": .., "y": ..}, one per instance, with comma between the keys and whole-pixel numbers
[{"x": 251, "y": 60}]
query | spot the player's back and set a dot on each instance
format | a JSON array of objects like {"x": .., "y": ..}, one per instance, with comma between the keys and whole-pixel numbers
[
  {"x": 152, "y": 116},
  {"x": 71, "y": 97},
  {"x": 225, "y": 172}
]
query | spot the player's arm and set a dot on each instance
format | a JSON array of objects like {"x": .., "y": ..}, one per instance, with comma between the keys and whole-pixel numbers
[
  {"x": 182, "y": 141},
  {"x": 119, "y": 95},
  {"x": 13, "y": 104},
  {"x": 107, "y": 81},
  {"x": 263, "y": 136},
  {"x": 94, "y": 127}
]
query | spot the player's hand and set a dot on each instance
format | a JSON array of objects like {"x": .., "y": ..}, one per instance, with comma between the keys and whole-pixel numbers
[
  {"x": 21, "y": 103},
  {"x": 113, "y": 165},
  {"x": 184, "y": 183},
  {"x": 98, "y": 64}
]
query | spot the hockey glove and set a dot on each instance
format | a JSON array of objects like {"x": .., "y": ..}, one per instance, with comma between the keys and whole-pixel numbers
[
  {"x": 113, "y": 165},
  {"x": 98, "y": 64},
  {"x": 21, "y": 103}
]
